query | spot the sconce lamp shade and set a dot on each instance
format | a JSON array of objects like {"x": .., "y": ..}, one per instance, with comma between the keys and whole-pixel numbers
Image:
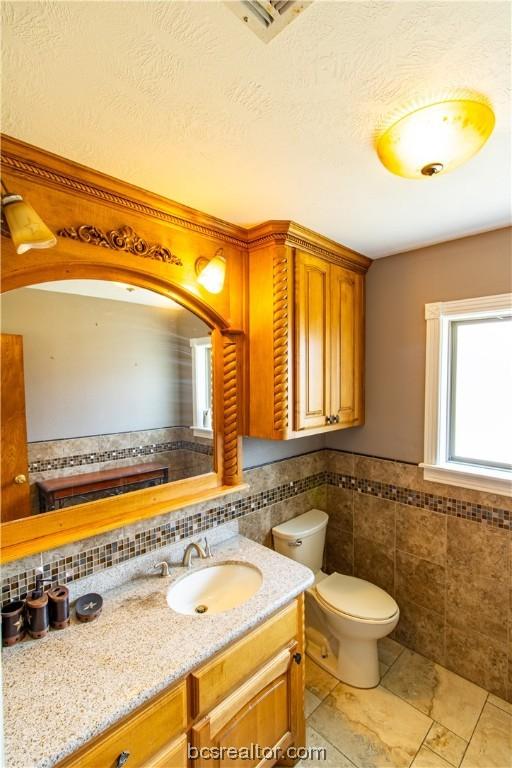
[
  {"x": 436, "y": 138},
  {"x": 212, "y": 276},
  {"x": 27, "y": 229}
]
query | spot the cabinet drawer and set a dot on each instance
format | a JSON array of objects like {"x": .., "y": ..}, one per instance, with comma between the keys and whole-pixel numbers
[
  {"x": 143, "y": 734},
  {"x": 172, "y": 756},
  {"x": 229, "y": 669}
]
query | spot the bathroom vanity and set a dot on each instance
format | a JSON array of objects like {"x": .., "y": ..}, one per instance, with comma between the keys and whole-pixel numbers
[{"x": 142, "y": 682}]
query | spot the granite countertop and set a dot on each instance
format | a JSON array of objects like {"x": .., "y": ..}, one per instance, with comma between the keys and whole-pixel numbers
[{"x": 63, "y": 690}]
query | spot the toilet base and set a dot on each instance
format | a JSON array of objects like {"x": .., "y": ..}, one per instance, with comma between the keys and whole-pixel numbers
[{"x": 356, "y": 664}]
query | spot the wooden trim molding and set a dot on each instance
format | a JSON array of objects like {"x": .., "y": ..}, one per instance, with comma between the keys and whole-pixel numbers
[
  {"x": 229, "y": 408},
  {"x": 42, "y": 166},
  {"x": 280, "y": 322},
  {"x": 296, "y": 236}
]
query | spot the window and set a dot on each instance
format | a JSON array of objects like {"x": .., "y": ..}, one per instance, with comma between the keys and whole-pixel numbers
[
  {"x": 202, "y": 386},
  {"x": 468, "y": 397}
]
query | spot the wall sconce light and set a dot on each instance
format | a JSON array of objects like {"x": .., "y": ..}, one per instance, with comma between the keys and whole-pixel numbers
[
  {"x": 27, "y": 229},
  {"x": 436, "y": 138},
  {"x": 211, "y": 273}
]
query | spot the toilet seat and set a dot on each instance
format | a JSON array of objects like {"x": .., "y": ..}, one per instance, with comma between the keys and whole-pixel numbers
[{"x": 356, "y": 598}]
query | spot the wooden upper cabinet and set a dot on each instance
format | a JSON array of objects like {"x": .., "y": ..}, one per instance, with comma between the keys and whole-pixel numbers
[
  {"x": 305, "y": 355},
  {"x": 312, "y": 341}
]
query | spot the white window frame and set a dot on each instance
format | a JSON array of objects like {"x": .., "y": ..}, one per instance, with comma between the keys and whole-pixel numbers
[
  {"x": 436, "y": 466},
  {"x": 198, "y": 347}
]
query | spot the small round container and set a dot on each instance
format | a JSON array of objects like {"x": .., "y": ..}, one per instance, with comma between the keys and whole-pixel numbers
[
  {"x": 58, "y": 602},
  {"x": 88, "y": 607}
]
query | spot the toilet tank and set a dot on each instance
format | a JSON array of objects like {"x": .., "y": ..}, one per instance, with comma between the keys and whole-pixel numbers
[{"x": 303, "y": 538}]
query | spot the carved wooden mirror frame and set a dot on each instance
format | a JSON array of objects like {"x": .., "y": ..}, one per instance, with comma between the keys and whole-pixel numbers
[{"x": 90, "y": 247}]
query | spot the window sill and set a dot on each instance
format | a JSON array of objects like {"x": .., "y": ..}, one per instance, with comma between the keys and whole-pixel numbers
[
  {"x": 476, "y": 478},
  {"x": 201, "y": 432}
]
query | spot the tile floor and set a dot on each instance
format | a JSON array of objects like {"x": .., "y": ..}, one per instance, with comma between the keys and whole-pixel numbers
[{"x": 420, "y": 716}]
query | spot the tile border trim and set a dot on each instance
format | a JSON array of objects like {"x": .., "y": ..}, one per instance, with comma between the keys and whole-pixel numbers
[
  {"x": 99, "y": 457},
  {"x": 479, "y": 513}
]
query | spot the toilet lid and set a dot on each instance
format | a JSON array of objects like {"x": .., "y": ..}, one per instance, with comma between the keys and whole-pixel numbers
[{"x": 356, "y": 597}]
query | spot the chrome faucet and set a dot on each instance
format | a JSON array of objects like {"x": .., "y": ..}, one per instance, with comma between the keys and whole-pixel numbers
[
  {"x": 194, "y": 546},
  {"x": 164, "y": 566}
]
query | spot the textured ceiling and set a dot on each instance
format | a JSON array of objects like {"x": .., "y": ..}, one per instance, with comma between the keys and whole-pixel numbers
[{"x": 180, "y": 98}]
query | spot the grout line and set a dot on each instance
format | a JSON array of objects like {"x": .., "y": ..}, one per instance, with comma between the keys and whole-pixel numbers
[
  {"x": 395, "y": 659},
  {"x": 474, "y": 729},
  {"x": 436, "y": 722},
  {"x": 332, "y": 745}
]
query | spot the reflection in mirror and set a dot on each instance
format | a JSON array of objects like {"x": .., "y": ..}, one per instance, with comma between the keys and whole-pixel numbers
[{"x": 106, "y": 388}]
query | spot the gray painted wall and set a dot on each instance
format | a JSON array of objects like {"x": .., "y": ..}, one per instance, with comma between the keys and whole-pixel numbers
[
  {"x": 398, "y": 287},
  {"x": 96, "y": 366},
  {"x": 257, "y": 452}
]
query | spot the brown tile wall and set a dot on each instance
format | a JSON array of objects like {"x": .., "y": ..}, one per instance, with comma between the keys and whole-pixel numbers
[{"x": 451, "y": 576}]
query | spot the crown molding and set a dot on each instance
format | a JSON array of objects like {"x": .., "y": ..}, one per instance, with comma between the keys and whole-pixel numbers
[
  {"x": 22, "y": 159},
  {"x": 296, "y": 236},
  {"x": 46, "y": 168}
]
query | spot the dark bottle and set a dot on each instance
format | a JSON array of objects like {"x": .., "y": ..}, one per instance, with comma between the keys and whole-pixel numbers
[{"x": 38, "y": 615}]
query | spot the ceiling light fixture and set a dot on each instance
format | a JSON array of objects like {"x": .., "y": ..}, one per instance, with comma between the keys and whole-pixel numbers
[
  {"x": 27, "y": 229},
  {"x": 436, "y": 138},
  {"x": 212, "y": 272}
]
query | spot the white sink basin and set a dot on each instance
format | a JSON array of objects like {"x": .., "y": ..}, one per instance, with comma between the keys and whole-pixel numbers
[{"x": 214, "y": 589}]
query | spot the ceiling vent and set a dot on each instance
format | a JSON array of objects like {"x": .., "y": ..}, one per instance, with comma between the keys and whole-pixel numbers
[{"x": 267, "y": 19}]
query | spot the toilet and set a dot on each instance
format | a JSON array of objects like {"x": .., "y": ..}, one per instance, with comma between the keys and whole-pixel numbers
[{"x": 345, "y": 616}]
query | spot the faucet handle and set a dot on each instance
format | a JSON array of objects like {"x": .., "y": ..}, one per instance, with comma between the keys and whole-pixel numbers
[
  {"x": 164, "y": 568},
  {"x": 207, "y": 550}
]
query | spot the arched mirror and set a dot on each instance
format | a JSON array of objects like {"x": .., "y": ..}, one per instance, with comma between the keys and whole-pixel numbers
[{"x": 106, "y": 389}]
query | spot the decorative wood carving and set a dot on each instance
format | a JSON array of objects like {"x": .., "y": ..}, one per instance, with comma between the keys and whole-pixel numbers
[
  {"x": 122, "y": 239},
  {"x": 280, "y": 339},
  {"x": 231, "y": 386}
]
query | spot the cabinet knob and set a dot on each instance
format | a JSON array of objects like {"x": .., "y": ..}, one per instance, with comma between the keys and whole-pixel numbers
[
  {"x": 336, "y": 419},
  {"x": 20, "y": 479},
  {"x": 122, "y": 759},
  {"x": 328, "y": 419}
]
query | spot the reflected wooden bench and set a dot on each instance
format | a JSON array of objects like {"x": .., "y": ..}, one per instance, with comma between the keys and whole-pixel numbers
[{"x": 53, "y": 494}]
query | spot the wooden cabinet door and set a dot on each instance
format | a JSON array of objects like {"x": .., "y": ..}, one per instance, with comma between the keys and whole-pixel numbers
[
  {"x": 15, "y": 498},
  {"x": 261, "y": 713},
  {"x": 312, "y": 347},
  {"x": 347, "y": 337}
]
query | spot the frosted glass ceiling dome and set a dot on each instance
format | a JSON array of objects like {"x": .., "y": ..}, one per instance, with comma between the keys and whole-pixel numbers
[{"x": 436, "y": 138}]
